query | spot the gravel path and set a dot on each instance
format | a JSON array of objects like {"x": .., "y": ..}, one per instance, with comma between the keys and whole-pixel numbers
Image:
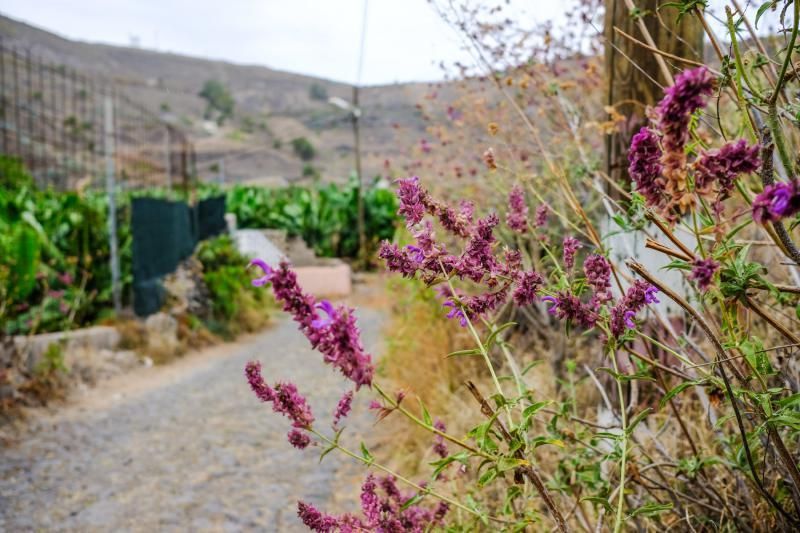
[{"x": 183, "y": 447}]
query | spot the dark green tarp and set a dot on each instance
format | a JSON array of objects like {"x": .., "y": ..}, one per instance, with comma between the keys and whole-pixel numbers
[{"x": 164, "y": 234}]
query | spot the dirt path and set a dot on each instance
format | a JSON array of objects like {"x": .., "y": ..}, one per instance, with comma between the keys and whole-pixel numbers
[{"x": 184, "y": 447}]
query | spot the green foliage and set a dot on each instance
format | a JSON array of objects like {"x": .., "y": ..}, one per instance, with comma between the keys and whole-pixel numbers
[
  {"x": 303, "y": 148},
  {"x": 219, "y": 101},
  {"x": 325, "y": 216},
  {"x": 318, "y": 92},
  {"x": 232, "y": 295},
  {"x": 54, "y": 254}
]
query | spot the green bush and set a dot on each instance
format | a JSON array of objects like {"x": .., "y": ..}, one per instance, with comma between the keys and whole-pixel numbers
[
  {"x": 303, "y": 148},
  {"x": 236, "y": 305},
  {"x": 54, "y": 254},
  {"x": 324, "y": 216}
]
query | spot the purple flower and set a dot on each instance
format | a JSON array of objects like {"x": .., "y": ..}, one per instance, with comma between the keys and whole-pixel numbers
[
  {"x": 336, "y": 337},
  {"x": 370, "y": 502},
  {"x": 285, "y": 400},
  {"x": 527, "y": 286},
  {"x": 552, "y": 300},
  {"x": 777, "y": 201},
  {"x": 691, "y": 89},
  {"x": 571, "y": 245},
  {"x": 315, "y": 520},
  {"x": 645, "y": 168},
  {"x": 343, "y": 407},
  {"x": 266, "y": 269},
  {"x": 324, "y": 321},
  {"x": 569, "y": 307},
  {"x": 628, "y": 317},
  {"x": 411, "y": 200},
  {"x": 703, "y": 272},
  {"x": 65, "y": 278},
  {"x": 403, "y": 261},
  {"x": 415, "y": 253},
  {"x": 253, "y": 373},
  {"x": 517, "y": 216},
  {"x": 439, "y": 447},
  {"x": 298, "y": 439},
  {"x": 541, "y": 215},
  {"x": 636, "y": 298},
  {"x": 598, "y": 273},
  {"x": 687, "y": 95},
  {"x": 723, "y": 166},
  {"x": 456, "y": 312}
]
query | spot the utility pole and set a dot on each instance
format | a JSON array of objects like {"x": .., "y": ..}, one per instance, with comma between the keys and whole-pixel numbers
[
  {"x": 362, "y": 236},
  {"x": 631, "y": 69},
  {"x": 112, "y": 202}
]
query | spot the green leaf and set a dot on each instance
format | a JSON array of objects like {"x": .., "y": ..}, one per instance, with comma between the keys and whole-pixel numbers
[
  {"x": 677, "y": 390},
  {"x": 650, "y": 509},
  {"x": 509, "y": 463},
  {"x": 366, "y": 455},
  {"x": 461, "y": 353},
  {"x": 426, "y": 417},
  {"x": 530, "y": 412},
  {"x": 599, "y": 500},
  {"x": 411, "y": 501},
  {"x": 638, "y": 418},
  {"x": 497, "y": 331}
]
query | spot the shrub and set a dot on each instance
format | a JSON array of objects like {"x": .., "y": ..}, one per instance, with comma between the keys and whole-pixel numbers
[{"x": 303, "y": 148}]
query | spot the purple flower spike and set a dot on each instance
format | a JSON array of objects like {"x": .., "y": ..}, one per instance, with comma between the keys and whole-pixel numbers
[
  {"x": 571, "y": 245},
  {"x": 517, "y": 216},
  {"x": 645, "y": 168},
  {"x": 628, "y": 319},
  {"x": 298, "y": 439},
  {"x": 541, "y": 215},
  {"x": 703, "y": 272},
  {"x": 268, "y": 272},
  {"x": 324, "y": 321},
  {"x": 342, "y": 408}
]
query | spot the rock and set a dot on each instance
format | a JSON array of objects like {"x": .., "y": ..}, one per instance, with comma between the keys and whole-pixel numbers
[
  {"x": 161, "y": 324},
  {"x": 162, "y": 336}
]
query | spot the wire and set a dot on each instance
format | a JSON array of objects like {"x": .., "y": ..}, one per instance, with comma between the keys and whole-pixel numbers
[{"x": 364, "y": 18}]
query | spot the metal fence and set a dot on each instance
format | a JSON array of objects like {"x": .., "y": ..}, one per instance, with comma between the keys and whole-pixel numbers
[{"x": 53, "y": 119}]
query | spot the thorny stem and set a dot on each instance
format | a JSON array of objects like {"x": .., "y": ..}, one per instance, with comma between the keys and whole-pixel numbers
[
  {"x": 721, "y": 355},
  {"x": 424, "y": 490}
]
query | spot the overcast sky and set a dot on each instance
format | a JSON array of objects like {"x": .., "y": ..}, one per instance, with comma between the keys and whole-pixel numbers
[{"x": 405, "y": 39}]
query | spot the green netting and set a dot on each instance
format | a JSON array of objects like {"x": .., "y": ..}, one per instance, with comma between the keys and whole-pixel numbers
[{"x": 164, "y": 234}]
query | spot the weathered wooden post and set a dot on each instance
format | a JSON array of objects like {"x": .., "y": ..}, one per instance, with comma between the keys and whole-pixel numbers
[{"x": 634, "y": 75}]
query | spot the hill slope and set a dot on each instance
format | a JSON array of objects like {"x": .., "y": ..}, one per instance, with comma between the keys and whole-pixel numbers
[{"x": 272, "y": 107}]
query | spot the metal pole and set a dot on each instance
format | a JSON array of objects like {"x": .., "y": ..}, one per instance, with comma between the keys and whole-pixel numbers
[
  {"x": 362, "y": 237},
  {"x": 112, "y": 206},
  {"x": 168, "y": 157},
  {"x": 3, "y": 102}
]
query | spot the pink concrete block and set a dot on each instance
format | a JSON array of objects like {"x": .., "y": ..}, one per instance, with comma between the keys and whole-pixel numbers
[{"x": 329, "y": 280}]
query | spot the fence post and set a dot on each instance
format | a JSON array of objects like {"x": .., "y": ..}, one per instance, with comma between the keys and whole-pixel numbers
[
  {"x": 168, "y": 157},
  {"x": 112, "y": 206}
]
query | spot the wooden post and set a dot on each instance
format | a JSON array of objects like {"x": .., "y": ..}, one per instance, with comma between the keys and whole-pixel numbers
[
  {"x": 630, "y": 89},
  {"x": 362, "y": 235},
  {"x": 111, "y": 192}
]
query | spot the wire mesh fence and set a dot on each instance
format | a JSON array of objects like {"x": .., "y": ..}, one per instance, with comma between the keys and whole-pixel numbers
[{"x": 52, "y": 118}]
